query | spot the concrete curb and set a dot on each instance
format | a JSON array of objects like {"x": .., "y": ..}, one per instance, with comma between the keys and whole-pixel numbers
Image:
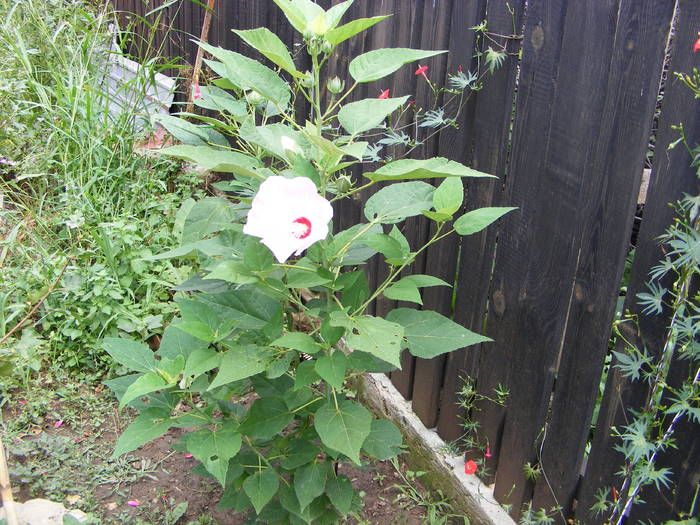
[{"x": 427, "y": 452}]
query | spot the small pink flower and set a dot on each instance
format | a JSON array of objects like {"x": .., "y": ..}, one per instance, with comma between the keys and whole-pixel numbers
[
  {"x": 384, "y": 94},
  {"x": 459, "y": 68},
  {"x": 288, "y": 215},
  {"x": 133, "y": 503},
  {"x": 487, "y": 454},
  {"x": 58, "y": 423},
  {"x": 421, "y": 71},
  {"x": 696, "y": 47},
  {"x": 188, "y": 455},
  {"x": 470, "y": 467},
  {"x": 197, "y": 92},
  {"x": 21, "y": 403}
]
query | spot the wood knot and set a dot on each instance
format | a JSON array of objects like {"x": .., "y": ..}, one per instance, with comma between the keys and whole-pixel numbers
[
  {"x": 499, "y": 302},
  {"x": 537, "y": 37}
]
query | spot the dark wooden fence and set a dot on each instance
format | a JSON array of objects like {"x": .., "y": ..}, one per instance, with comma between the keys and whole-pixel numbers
[{"x": 565, "y": 124}]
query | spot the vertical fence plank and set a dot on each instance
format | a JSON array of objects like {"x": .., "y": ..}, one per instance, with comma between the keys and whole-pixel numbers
[
  {"x": 429, "y": 373},
  {"x": 485, "y": 146},
  {"x": 671, "y": 177},
  {"x": 612, "y": 174},
  {"x": 455, "y": 144},
  {"x": 511, "y": 303},
  {"x": 537, "y": 290}
]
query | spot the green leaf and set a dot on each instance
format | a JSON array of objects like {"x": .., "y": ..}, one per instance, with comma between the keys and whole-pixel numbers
[
  {"x": 293, "y": 13},
  {"x": 355, "y": 288},
  {"x": 176, "y": 342},
  {"x": 217, "y": 99},
  {"x": 266, "y": 418},
  {"x": 340, "y": 491},
  {"x": 406, "y": 289},
  {"x": 149, "y": 425},
  {"x": 362, "y": 361},
  {"x": 215, "y": 159},
  {"x": 270, "y": 45},
  {"x": 435, "y": 167},
  {"x": 248, "y": 306},
  {"x": 332, "y": 368},
  {"x": 199, "y": 319},
  {"x": 247, "y": 73},
  {"x": 280, "y": 364},
  {"x": 384, "y": 244},
  {"x": 430, "y": 334},
  {"x": 214, "y": 448},
  {"x": 437, "y": 217},
  {"x": 357, "y": 252},
  {"x": 298, "y": 341},
  {"x": 189, "y": 133},
  {"x": 145, "y": 384},
  {"x": 368, "y": 113},
  {"x": 335, "y": 13},
  {"x": 232, "y": 271},
  {"x": 310, "y": 482},
  {"x": 379, "y": 63},
  {"x": 134, "y": 356},
  {"x": 300, "y": 453},
  {"x": 306, "y": 274},
  {"x": 344, "y": 428},
  {"x": 477, "y": 220},
  {"x": 200, "y": 361},
  {"x": 374, "y": 335},
  {"x": 261, "y": 487},
  {"x": 208, "y": 215},
  {"x": 398, "y": 201},
  {"x": 448, "y": 196},
  {"x": 395, "y": 233},
  {"x": 305, "y": 374},
  {"x": 342, "y": 33},
  {"x": 209, "y": 247},
  {"x": 241, "y": 362},
  {"x": 384, "y": 440},
  {"x": 269, "y": 137}
]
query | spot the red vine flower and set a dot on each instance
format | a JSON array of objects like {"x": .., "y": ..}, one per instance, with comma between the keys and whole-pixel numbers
[
  {"x": 384, "y": 94},
  {"x": 470, "y": 467},
  {"x": 421, "y": 71},
  {"x": 696, "y": 47}
]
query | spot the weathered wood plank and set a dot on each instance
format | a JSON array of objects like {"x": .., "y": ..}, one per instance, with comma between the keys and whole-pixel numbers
[
  {"x": 565, "y": 59},
  {"x": 671, "y": 176},
  {"x": 484, "y": 146},
  {"x": 429, "y": 373},
  {"x": 612, "y": 173},
  {"x": 510, "y": 304}
]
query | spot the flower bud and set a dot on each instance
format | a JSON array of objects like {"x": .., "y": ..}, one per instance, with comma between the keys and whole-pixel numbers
[
  {"x": 335, "y": 85},
  {"x": 343, "y": 183},
  {"x": 308, "y": 80},
  {"x": 253, "y": 97},
  {"x": 313, "y": 46},
  {"x": 326, "y": 47}
]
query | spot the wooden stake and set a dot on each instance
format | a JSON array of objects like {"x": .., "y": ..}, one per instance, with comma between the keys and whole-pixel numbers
[
  {"x": 200, "y": 52},
  {"x": 6, "y": 490}
]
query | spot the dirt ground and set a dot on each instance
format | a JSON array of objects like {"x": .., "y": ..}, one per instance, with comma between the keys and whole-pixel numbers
[{"x": 59, "y": 448}]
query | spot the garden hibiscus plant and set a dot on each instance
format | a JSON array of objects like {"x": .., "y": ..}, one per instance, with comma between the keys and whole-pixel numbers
[{"x": 259, "y": 366}]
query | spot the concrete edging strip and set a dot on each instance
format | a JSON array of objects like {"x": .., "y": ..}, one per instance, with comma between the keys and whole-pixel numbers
[{"x": 427, "y": 452}]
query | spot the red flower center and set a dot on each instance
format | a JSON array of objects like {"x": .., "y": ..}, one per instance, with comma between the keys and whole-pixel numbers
[{"x": 301, "y": 228}]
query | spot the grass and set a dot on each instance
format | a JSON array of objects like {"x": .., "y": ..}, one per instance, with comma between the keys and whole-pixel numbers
[{"x": 80, "y": 213}]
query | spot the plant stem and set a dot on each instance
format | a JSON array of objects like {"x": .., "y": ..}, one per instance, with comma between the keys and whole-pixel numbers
[{"x": 398, "y": 269}]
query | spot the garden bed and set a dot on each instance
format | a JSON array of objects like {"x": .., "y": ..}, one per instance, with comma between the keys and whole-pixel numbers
[{"x": 59, "y": 436}]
